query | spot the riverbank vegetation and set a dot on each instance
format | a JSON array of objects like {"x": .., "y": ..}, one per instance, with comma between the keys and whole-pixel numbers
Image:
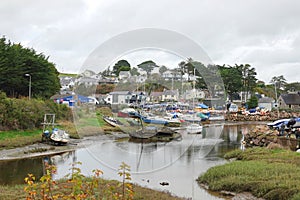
[
  {"x": 266, "y": 173},
  {"x": 78, "y": 186},
  {"x": 22, "y": 114},
  {"x": 20, "y": 120}
]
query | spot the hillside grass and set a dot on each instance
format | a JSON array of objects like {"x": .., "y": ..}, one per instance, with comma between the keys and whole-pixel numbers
[{"x": 266, "y": 173}]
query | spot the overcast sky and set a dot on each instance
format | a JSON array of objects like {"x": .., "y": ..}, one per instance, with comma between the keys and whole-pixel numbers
[{"x": 263, "y": 33}]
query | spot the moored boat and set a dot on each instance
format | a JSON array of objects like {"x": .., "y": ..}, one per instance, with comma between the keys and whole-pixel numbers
[{"x": 194, "y": 128}]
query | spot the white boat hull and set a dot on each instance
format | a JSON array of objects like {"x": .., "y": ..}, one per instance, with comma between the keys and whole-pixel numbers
[{"x": 194, "y": 128}]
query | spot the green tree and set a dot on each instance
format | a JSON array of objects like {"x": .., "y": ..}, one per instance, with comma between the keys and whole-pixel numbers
[
  {"x": 121, "y": 65},
  {"x": 252, "y": 102},
  {"x": 16, "y": 61},
  {"x": 123, "y": 68},
  {"x": 248, "y": 78},
  {"x": 147, "y": 66},
  {"x": 232, "y": 79},
  {"x": 162, "y": 69},
  {"x": 134, "y": 71},
  {"x": 280, "y": 82}
]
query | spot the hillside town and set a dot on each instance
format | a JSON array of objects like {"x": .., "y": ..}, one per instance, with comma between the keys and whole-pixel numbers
[{"x": 88, "y": 78}]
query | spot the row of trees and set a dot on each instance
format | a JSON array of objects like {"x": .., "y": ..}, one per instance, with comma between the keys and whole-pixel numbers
[
  {"x": 16, "y": 61},
  {"x": 124, "y": 65}
]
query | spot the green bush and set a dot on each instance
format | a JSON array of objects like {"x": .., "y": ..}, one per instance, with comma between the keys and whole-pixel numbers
[{"x": 22, "y": 114}]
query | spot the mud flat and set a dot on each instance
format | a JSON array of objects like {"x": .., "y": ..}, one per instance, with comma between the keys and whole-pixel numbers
[{"x": 41, "y": 149}]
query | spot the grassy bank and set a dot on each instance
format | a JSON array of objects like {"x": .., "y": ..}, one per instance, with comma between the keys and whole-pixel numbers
[
  {"x": 17, "y": 191},
  {"x": 86, "y": 125},
  {"x": 13, "y": 139},
  {"x": 266, "y": 173},
  {"x": 78, "y": 186}
]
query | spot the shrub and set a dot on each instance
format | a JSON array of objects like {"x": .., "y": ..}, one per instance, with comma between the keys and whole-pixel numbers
[{"x": 22, "y": 114}]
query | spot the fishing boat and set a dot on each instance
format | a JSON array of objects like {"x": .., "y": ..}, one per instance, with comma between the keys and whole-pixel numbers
[
  {"x": 112, "y": 121},
  {"x": 51, "y": 134}
]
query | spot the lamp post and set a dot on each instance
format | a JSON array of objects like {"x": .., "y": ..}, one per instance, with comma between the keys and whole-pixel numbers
[
  {"x": 29, "y": 90},
  {"x": 276, "y": 100}
]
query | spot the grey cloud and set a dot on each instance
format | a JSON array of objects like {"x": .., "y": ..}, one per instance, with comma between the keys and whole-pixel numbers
[{"x": 70, "y": 30}]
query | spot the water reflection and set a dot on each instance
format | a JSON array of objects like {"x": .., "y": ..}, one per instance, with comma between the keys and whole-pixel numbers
[
  {"x": 14, "y": 172},
  {"x": 178, "y": 163}
]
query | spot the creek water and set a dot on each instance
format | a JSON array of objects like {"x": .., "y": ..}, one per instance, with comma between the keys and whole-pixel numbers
[{"x": 177, "y": 163}]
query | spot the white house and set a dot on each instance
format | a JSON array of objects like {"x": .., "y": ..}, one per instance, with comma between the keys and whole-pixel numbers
[
  {"x": 118, "y": 97},
  {"x": 266, "y": 102},
  {"x": 67, "y": 82},
  {"x": 170, "y": 95},
  {"x": 123, "y": 75},
  {"x": 194, "y": 93},
  {"x": 172, "y": 74}
]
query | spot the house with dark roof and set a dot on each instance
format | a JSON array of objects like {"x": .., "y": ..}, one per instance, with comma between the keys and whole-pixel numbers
[{"x": 290, "y": 100}]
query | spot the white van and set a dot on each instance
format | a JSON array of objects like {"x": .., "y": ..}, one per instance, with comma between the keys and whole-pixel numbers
[{"x": 233, "y": 108}]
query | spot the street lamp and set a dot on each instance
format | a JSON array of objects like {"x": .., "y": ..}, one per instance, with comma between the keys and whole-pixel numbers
[
  {"x": 29, "y": 90},
  {"x": 276, "y": 99}
]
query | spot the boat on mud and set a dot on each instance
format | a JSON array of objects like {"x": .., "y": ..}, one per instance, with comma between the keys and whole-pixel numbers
[
  {"x": 51, "y": 134},
  {"x": 112, "y": 121}
]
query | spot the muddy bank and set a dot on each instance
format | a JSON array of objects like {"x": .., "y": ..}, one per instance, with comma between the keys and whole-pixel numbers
[{"x": 41, "y": 149}]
